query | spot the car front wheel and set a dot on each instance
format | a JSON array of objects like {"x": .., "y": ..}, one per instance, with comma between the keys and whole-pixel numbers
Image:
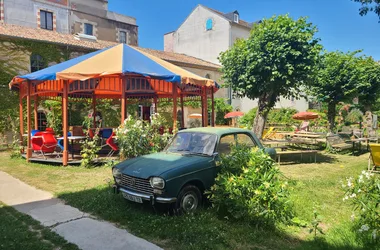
[{"x": 189, "y": 199}]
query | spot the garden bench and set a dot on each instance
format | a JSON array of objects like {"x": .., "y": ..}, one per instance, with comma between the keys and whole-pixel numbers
[
  {"x": 299, "y": 152},
  {"x": 338, "y": 143}
]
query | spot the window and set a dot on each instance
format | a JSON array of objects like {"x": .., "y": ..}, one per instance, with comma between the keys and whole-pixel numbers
[
  {"x": 123, "y": 37},
  {"x": 236, "y": 18},
  {"x": 46, "y": 19},
  {"x": 225, "y": 144},
  {"x": 37, "y": 63},
  {"x": 41, "y": 120},
  {"x": 246, "y": 140},
  {"x": 209, "y": 24},
  {"x": 88, "y": 29}
]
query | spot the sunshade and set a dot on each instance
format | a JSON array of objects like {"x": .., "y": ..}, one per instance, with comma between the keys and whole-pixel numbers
[
  {"x": 117, "y": 60},
  {"x": 234, "y": 114},
  {"x": 305, "y": 116},
  {"x": 195, "y": 116}
]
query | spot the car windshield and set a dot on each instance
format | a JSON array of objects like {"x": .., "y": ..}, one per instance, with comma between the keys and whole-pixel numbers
[{"x": 193, "y": 143}]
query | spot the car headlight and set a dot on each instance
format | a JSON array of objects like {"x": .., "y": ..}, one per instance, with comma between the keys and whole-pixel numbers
[
  {"x": 157, "y": 182},
  {"x": 116, "y": 174}
]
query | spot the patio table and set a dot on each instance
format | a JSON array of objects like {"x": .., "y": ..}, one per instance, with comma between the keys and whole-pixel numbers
[{"x": 72, "y": 139}]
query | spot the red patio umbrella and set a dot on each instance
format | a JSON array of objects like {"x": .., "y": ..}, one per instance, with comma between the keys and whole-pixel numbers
[
  {"x": 305, "y": 116},
  {"x": 234, "y": 114}
]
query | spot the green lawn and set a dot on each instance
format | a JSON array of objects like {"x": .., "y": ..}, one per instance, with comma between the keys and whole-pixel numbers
[
  {"x": 313, "y": 185},
  {"x": 19, "y": 231}
]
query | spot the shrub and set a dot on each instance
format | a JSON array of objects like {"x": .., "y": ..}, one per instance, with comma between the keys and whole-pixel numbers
[
  {"x": 249, "y": 186},
  {"x": 354, "y": 116},
  {"x": 137, "y": 137},
  {"x": 275, "y": 116},
  {"x": 363, "y": 193}
]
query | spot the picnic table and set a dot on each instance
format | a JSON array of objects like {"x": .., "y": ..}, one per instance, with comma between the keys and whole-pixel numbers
[
  {"x": 298, "y": 152},
  {"x": 72, "y": 139}
]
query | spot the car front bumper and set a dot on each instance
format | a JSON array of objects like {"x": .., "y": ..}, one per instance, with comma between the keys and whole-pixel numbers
[{"x": 151, "y": 198}]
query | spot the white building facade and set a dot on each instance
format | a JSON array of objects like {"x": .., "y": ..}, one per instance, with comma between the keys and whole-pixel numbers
[{"x": 205, "y": 34}]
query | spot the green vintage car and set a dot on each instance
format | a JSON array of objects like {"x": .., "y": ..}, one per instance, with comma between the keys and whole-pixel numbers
[{"x": 183, "y": 171}]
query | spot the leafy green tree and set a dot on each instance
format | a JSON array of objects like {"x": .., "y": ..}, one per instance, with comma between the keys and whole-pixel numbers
[
  {"x": 276, "y": 60},
  {"x": 339, "y": 79},
  {"x": 369, "y": 6},
  {"x": 369, "y": 93}
]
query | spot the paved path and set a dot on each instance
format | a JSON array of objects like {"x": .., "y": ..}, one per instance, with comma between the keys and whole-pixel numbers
[{"x": 75, "y": 226}]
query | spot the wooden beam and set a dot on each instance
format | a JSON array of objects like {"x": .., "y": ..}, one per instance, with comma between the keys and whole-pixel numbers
[
  {"x": 205, "y": 107},
  {"x": 155, "y": 104},
  {"x": 65, "y": 124},
  {"x": 21, "y": 118},
  {"x": 29, "y": 126},
  {"x": 94, "y": 110},
  {"x": 36, "y": 112},
  {"x": 123, "y": 101},
  {"x": 175, "y": 96},
  {"x": 212, "y": 108},
  {"x": 183, "y": 114}
]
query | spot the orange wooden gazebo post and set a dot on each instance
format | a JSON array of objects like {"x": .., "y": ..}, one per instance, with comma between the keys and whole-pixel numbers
[
  {"x": 36, "y": 111},
  {"x": 205, "y": 107},
  {"x": 65, "y": 124},
  {"x": 183, "y": 114},
  {"x": 155, "y": 104},
  {"x": 123, "y": 100},
  {"x": 21, "y": 118},
  {"x": 175, "y": 96},
  {"x": 212, "y": 108},
  {"x": 29, "y": 126},
  {"x": 94, "y": 110}
]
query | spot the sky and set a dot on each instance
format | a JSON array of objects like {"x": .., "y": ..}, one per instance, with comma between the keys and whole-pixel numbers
[{"x": 339, "y": 23}]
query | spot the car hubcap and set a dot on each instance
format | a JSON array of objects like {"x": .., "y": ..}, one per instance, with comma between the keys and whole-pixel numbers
[{"x": 189, "y": 202}]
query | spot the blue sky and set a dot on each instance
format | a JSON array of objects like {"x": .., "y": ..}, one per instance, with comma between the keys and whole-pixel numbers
[{"x": 339, "y": 23}]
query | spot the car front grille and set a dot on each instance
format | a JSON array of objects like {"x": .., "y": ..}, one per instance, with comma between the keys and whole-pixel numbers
[{"x": 136, "y": 184}]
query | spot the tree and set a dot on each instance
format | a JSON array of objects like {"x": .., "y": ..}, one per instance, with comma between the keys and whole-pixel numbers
[
  {"x": 276, "y": 60},
  {"x": 369, "y": 93},
  {"x": 339, "y": 79},
  {"x": 369, "y": 6}
]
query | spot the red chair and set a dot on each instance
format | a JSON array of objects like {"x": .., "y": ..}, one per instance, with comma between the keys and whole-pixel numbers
[
  {"x": 91, "y": 133},
  {"x": 112, "y": 145},
  {"x": 45, "y": 143}
]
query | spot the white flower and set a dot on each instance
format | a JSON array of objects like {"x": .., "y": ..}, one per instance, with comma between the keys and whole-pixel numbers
[
  {"x": 353, "y": 217},
  {"x": 360, "y": 179},
  {"x": 364, "y": 228},
  {"x": 349, "y": 184},
  {"x": 345, "y": 198},
  {"x": 353, "y": 195},
  {"x": 359, "y": 190}
]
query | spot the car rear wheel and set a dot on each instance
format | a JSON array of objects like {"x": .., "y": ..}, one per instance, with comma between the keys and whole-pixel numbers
[{"x": 189, "y": 199}]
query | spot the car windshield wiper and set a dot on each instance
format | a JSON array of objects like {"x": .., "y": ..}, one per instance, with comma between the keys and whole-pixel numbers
[{"x": 196, "y": 153}]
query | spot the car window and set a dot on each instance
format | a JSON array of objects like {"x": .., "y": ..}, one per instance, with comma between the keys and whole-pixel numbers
[
  {"x": 245, "y": 139},
  {"x": 193, "y": 143},
  {"x": 225, "y": 144}
]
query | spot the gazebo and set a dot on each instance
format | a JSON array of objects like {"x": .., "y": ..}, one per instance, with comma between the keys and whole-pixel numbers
[{"x": 118, "y": 72}]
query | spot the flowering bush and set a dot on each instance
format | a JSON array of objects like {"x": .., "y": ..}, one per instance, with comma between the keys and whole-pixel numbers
[
  {"x": 136, "y": 137},
  {"x": 249, "y": 186},
  {"x": 363, "y": 193}
]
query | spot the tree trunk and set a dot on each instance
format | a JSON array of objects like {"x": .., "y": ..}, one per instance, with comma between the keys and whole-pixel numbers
[
  {"x": 261, "y": 117},
  {"x": 331, "y": 112}
]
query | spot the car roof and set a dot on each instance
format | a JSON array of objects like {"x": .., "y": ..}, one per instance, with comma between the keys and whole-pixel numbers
[{"x": 216, "y": 130}]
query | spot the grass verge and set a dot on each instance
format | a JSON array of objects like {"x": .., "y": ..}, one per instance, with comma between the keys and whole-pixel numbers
[
  {"x": 313, "y": 185},
  {"x": 19, "y": 231}
]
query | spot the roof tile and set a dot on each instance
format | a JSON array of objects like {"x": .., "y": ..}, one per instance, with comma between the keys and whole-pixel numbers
[{"x": 15, "y": 31}]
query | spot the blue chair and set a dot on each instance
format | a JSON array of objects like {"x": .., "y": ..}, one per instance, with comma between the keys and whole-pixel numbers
[
  {"x": 34, "y": 131},
  {"x": 60, "y": 143},
  {"x": 106, "y": 133}
]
